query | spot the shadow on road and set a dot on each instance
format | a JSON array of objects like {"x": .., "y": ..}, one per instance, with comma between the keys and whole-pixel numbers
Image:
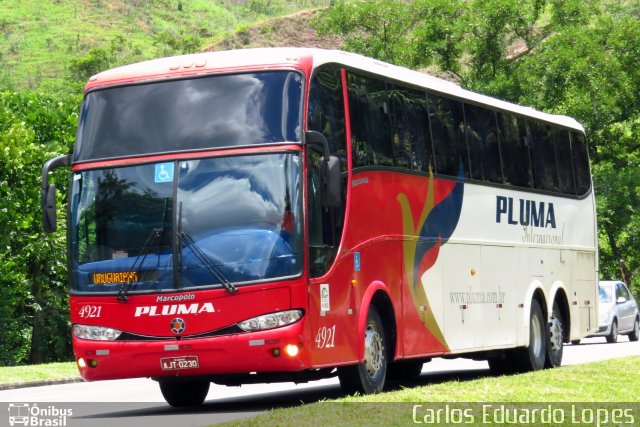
[{"x": 253, "y": 404}]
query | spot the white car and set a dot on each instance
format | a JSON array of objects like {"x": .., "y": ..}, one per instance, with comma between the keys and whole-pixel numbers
[{"x": 618, "y": 312}]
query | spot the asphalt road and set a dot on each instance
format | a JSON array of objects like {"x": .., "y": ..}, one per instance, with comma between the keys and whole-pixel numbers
[{"x": 139, "y": 402}]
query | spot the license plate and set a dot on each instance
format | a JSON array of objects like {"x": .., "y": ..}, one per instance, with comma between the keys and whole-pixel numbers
[{"x": 175, "y": 363}]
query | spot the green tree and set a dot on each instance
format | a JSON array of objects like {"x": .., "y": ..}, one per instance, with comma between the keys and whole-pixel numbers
[
  {"x": 33, "y": 298},
  {"x": 93, "y": 62},
  {"x": 571, "y": 57}
]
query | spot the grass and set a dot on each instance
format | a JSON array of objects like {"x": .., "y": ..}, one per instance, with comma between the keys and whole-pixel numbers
[
  {"x": 40, "y": 39},
  {"x": 17, "y": 374},
  {"x": 593, "y": 382},
  {"x": 616, "y": 380}
]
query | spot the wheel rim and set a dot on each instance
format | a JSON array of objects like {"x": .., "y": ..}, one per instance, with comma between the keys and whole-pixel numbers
[
  {"x": 373, "y": 355},
  {"x": 536, "y": 336},
  {"x": 555, "y": 332},
  {"x": 614, "y": 330}
]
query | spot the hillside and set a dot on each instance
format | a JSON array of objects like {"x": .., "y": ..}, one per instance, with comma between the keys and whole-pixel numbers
[
  {"x": 294, "y": 30},
  {"x": 48, "y": 45}
]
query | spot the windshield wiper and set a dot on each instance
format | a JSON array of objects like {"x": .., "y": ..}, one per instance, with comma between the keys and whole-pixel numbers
[
  {"x": 188, "y": 240},
  {"x": 137, "y": 263},
  {"x": 156, "y": 233}
]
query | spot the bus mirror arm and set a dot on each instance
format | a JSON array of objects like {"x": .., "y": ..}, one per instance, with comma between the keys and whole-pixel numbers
[
  {"x": 330, "y": 171},
  {"x": 311, "y": 138},
  {"x": 48, "y": 192}
]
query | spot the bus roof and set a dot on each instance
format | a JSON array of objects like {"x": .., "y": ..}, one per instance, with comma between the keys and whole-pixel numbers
[{"x": 304, "y": 59}]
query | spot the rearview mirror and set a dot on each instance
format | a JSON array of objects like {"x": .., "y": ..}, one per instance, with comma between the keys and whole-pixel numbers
[
  {"x": 621, "y": 300},
  {"x": 49, "y": 217},
  {"x": 330, "y": 170},
  {"x": 332, "y": 185},
  {"x": 48, "y": 192}
]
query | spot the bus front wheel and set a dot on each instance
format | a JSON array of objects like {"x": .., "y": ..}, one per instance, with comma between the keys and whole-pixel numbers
[
  {"x": 184, "y": 393},
  {"x": 368, "y": 377}
]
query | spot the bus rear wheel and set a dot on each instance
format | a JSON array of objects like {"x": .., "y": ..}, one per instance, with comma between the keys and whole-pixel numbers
[
  {"x": 556, "y": 338},
  {"x": 368, "y": 377},
  {"x": 532, "y": 358},
  {"x": 184, "y": 393}
]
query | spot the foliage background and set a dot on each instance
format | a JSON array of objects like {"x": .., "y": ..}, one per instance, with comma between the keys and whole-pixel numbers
[
  {"x": 48, "y": 50},
  {"x": 573, "y": 57}
]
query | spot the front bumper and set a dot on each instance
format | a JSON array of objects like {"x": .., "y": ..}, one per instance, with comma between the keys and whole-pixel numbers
[
  {"x": 603, "y": 331},
  {"x": 229, "y": 354}
]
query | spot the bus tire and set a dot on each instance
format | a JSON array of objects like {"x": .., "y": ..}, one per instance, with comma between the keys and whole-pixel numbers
[
  {"x": 369, "y": 376},
  {"x": 634, "y": 335},
  {"x": 403, "y": 370},
  {"x": 556, "y": 338},
  {"x": 184, "y": 393},
  {"x": 533, "y": 357},
  {"x": 613, "y": 336}
]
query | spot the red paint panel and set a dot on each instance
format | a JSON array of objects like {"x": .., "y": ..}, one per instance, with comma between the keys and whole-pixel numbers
[
  {"x": 208, "y": 311},
  {"x": 279, "y": 148}
]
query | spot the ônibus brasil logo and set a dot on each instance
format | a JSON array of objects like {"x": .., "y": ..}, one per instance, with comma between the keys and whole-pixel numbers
[{"x": 27, "y": 414}]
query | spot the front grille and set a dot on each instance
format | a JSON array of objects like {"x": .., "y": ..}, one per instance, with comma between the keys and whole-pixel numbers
[{"x": 229, "y": 330}]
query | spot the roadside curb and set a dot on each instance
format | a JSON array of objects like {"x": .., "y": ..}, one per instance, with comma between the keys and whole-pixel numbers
[{"x": 68, "y": 380}]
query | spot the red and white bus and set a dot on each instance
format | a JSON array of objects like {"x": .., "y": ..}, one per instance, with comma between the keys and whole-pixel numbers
[{"x": 294, "y": 214}]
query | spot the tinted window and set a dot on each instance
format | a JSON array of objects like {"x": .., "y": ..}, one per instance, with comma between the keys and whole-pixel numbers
[
  {"x": 482, "y": 140},
  {"x": 190, "y": 114},
  {"x": 446, "y": 119},
  {"x": 410, "y": 128},
  {"x": 326, "y": 110},
  {"x": 543, "y": 157},
  {"x": 369, "y": 111},
  {"x": 326, "y": 115},
  {"x": 515, "y": 151},
  {"x": 564, "y": 159},
  {"x": 580, "y": 162}
]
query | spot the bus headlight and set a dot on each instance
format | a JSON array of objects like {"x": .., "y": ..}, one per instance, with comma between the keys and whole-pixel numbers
[
  {"x": 270, "y": 321},
  {"x": 96, "y": 333}
]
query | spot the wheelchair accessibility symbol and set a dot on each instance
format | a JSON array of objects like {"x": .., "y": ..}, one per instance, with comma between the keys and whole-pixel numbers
[{"x": 164, "y": 172}]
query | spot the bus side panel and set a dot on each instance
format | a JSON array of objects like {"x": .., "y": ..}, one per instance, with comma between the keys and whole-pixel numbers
[
  {"x": 333, "y": 316},
  {"x": 398, "y": 225}
]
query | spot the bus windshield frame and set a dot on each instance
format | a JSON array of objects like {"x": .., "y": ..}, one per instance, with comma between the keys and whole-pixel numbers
[{"x": 169, "y": 225}]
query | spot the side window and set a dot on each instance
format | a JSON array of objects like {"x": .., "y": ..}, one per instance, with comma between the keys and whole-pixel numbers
[
  {"x": 326, "y": 110},
  {"x": 622, "y": 292},
  {"x": 446, "y": 120},
  {"x": 482, "y": 140},
  {"x": 543, "y": 157},
  {"x": 410, "y": 128},
  {"x": 369, "y": 112},
  {"x": 325, "y": 115},
  {"x": 515, "y": 150},
  {"x": 580, "y": 162},
  {"x": 564, "y": 159}
]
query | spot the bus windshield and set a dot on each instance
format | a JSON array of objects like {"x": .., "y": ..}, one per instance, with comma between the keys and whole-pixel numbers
[
  {"x": 190, "y": 114},
  {"x": 170, "y": 225}
]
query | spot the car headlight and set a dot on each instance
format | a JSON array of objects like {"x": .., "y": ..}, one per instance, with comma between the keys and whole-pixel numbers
[
  {"x": 96, "y": 333},
  {"x": 270, "y": 321}
]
